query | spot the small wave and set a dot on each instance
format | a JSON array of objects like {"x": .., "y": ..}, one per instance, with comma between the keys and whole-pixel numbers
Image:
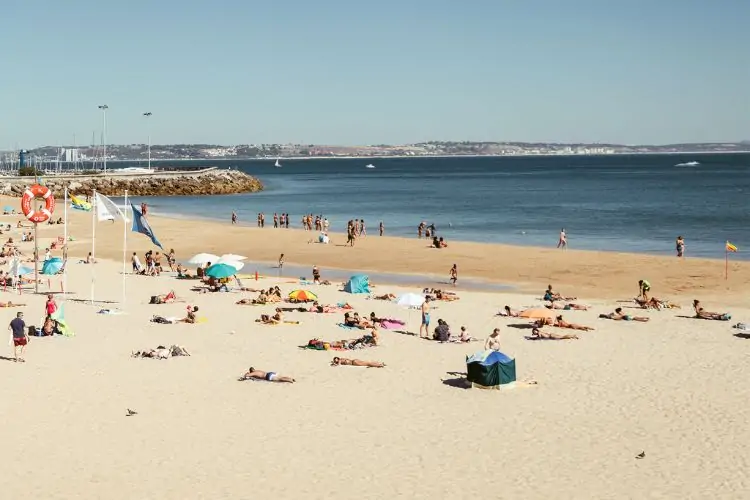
[{"x": 688, "y": 164}]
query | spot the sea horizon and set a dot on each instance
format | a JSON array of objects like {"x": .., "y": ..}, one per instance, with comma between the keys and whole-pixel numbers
[{"x": 615, "y": 203}]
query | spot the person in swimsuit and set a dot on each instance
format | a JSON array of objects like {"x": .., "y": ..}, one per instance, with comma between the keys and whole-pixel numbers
[
  {"x": 316, "y": 275},
  {"x": 537, "y": 334},
  {"x": 337, "y": 361},
  {"x": 619, "y": 316},
  {"x": 508, "y": 313},
  {"x": 643, "y": 288},
  {"x": 425, "y": 319},
  {"x": 680, "y": 247},
  {"x": 561, "y": 323},
  {"x": 701, "y": 313},
  {"x": 454, "y": 274},
  {"x": 566, "y": 307},
  {"x": 252, "y": 373},
  {"x": 563, "y": 241}
]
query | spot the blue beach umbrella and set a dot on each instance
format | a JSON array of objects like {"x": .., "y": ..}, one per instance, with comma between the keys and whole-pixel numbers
[
  {"x": 52, "y": 266},
  {"x": 221, "y": 271},
  {"x": 23, "y": 270}
]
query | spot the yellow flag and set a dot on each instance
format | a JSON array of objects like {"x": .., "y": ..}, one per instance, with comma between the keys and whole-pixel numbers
[{"x": 731, "y": 248}]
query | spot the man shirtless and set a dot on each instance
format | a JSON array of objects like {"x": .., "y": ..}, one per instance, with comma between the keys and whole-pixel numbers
[
  {"x": 619, "y": 316},
  {"x": 425, "y": 319},
  {"x": 252, "y": 373},
  {"x": 537, "y": 334}
]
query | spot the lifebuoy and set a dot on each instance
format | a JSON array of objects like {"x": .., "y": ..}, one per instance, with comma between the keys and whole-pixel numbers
[{"x": 32, "y": 193}]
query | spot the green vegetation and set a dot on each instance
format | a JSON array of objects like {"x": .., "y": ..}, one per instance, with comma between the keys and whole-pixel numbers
[{"x": 29, "y": 171}]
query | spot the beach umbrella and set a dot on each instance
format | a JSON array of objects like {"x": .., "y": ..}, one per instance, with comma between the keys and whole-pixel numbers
[
  {"x": 536, "y": 314},
  {"x": 23, "y": 270},
  {"x": 231, "y": 257},
  {"x": 410, "y": 300},
  {"x": 202, "y": 258},
  {"x": 8, "y": 208},
  {"x": 302, "y": 296},
  {"x": 236, "y": 265},
  {"x": 52, "y": 266},
  {"x": 221, "y": 271}
]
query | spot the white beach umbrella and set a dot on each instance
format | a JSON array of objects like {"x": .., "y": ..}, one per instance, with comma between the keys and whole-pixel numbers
[
  {"x": 410, "y": 300},
  {"x": 203, "y": 258},
  {"x": 232, "y": 263},
  {"x": 231, "y": 257}
]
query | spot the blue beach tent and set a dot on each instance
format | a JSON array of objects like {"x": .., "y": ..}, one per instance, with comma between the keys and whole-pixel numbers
[
  {"x": 490, "y": 369},
  {"x": 359, "y": 283}
]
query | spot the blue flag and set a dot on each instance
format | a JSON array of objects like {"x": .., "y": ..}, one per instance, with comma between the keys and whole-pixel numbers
[{"x": 140, "y": 225}]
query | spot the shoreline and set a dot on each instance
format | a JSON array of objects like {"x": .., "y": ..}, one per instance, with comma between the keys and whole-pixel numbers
[{"x": 580, "y": 273}]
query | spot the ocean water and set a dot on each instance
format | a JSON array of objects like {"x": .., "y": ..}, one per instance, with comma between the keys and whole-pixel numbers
[{"x": 634, "y": 203}]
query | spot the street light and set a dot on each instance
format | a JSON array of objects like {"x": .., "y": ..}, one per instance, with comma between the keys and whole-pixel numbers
[
  {"x": 147, "y": 114},
  {"x": 104, "y": 109}
]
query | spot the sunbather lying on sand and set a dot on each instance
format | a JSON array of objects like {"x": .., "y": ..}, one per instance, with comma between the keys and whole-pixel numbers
[
  {"x": 183, "y": 273},
  {"x": 561, "y": 323},
  {"x": 619, "y": 316},
  {"x": 508, "y": 313},
  {"x": 253, "y": 374},
  {"x": 551, "y": 296},
  {"x": 271, "y": 320},
  {"x": 376, "y": 321},
  {"x": 537, "y": 334},
  {"x": 161, "y": 352},
  {"x": 701, "y": 313},
  {"x": 385, "y": 296},
  {"x": 566, "y": 307},
  {"x": 654, "y": 303},
  {"x": 364, "y": 341},
  {"x": 353, "y": 320},
  {"x": 337, "y": 361},
  {"x": 163, "y": 299},
  {"x": 441, "y": 295},
  {"x": 11, "y": 304},
  {"x": 318, "y": 308},
  {"x": 190, "y": 317}
]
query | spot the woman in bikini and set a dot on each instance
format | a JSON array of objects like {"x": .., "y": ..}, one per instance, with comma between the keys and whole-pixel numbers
[
  {"x": 271, "y": 320},
  {"x": 619, "y": 316},
  {"x": 701, "y": 313},
  {"x": 566, "y": 307},
  {"x": 537, "y": 334},
  {"x": 561, "y": 323},
  {"x": 337, "y": 361}
]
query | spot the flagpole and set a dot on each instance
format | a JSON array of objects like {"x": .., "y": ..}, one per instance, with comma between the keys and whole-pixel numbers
[
  {"x": 93, "y": 245},
  {"x": 124, "y": 247},
  {"x": 726, "y": 263},
  {"x": 65, "y": 247}
]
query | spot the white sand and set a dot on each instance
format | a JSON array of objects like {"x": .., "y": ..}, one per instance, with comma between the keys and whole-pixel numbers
[{"x": 674, "y": 388}]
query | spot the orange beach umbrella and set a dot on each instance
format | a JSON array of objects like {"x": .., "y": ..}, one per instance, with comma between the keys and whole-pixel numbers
[
  {"x": 536, "y": 313},
  {"x": 302, "y": 296}
]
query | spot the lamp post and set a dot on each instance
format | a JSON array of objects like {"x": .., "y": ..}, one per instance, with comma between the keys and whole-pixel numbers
[
  {"x": 147, "y": 114},
  {"x": 104, "y": 109}
]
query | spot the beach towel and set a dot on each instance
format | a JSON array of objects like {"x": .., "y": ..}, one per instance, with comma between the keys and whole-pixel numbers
[
  {"x": 391, "y": 324},
  {"x": 347, "y": 327}
]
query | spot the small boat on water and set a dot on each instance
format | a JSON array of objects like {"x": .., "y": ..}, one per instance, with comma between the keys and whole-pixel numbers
[
  {"x": 370, "y": 166},
  {"x": 277, "y": 164},
  {"x": 135, "y": 170},
  {"x": 688, "y": 164}
]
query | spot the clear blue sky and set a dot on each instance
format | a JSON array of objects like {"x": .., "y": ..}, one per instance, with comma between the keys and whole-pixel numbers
[{"x": 355, "y": 72}]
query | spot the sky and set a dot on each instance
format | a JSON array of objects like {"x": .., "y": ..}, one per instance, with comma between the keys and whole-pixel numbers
[{"x": 355, "y": 72}]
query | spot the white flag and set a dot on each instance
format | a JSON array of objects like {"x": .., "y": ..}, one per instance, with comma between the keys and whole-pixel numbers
[{"x": 107, "y": 210}]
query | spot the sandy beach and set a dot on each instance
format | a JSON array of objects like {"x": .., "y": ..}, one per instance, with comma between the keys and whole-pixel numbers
[{"x": 672, "y": 388}]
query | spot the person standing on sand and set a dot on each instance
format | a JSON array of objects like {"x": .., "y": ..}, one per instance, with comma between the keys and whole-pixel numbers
[
  {"x": 454, "y": 274},
  {"x": 234, "y": 217},
  {"x": 643, "y": 288},
  {"x": 50, "y": 307},
  {"x": 281, "y": 262},
  {"x": 425, "y": 318},
  {"x": 20, "y": 336},
  {"x": 362, "y": 229},
  {"x": 680, "y": 247},
  {"x": 563, "y": 241},
  {"x": 382, "y": 228}
]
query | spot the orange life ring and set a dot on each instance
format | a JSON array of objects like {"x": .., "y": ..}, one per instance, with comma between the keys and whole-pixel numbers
[{"x": 38, "y": 191}]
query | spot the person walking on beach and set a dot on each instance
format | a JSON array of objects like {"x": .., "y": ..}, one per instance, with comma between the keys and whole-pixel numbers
[
  {"x": 286, "y": 221},
  {"x": 362, "y": 229},
  {"x": 680, "y": 247},
  {"x": 20, "y": 336},
  {"x": 50, "y": 307},
  {"x": 382, "y": 228},
  {"x": 454, "y": 274},
  {"x": 425, "y": 319},
  {"x": 643, "y": 288},
  {"x": 281, "y": 263},
  {"x": 275, "y": 220},
  {"x": 563, "y": 241},
  {"x": 234, "y": 217}
]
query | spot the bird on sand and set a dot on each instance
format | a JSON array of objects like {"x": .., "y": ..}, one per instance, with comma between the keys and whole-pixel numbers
[
  {"x": 641, "y": 455},
  {"x": 131, "y": 413}
]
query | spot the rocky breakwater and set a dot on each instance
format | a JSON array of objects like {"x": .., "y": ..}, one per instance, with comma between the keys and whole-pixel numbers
[{"x": 204, "y": 182}]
